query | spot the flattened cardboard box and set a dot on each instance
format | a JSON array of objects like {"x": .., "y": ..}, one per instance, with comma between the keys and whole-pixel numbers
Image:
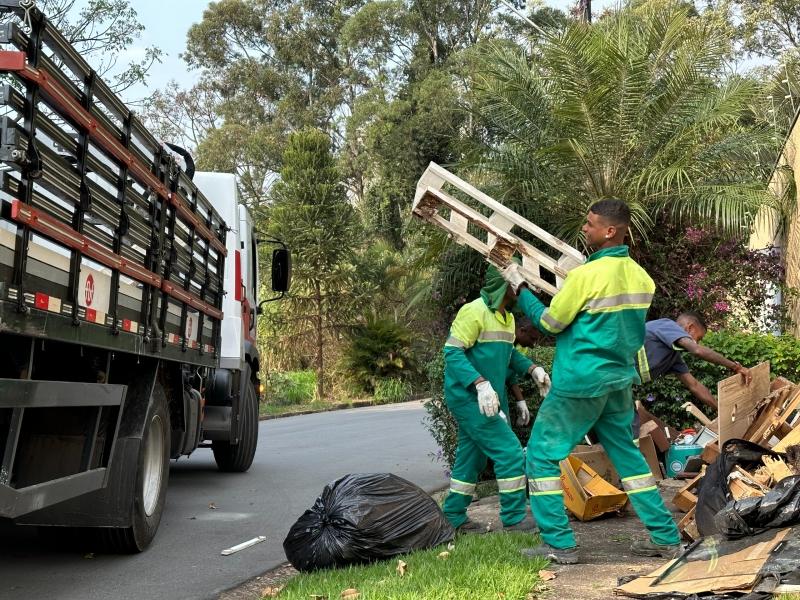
[
  {"x": 586, "y": 494},
  {"x": 595, "y": 457}
]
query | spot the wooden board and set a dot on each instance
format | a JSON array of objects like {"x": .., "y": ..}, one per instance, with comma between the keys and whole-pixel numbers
[
  {"x": 494, "y": 239},
  {"x": 738, "y": 403},
  {"x": 685, "y": 499},
  {"x": 792, "y": 439}
]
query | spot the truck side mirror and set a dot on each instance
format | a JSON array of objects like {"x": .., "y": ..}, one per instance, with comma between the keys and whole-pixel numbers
[{"x": 281, "y": 270}]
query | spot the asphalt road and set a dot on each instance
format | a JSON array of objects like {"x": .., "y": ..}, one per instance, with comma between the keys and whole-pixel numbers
[{"x": 296, "y": 457}]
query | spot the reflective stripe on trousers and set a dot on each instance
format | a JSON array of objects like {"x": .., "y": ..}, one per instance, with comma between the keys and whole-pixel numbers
[
  {"x": 545, "y": 486},
  {"x": 462, "y": 487},
  {"x": 511, "y": 484},
  {"x": 639, "y": 483}
]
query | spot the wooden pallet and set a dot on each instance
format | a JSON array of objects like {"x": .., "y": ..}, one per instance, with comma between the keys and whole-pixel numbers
[{"x": 434, "y": 205}]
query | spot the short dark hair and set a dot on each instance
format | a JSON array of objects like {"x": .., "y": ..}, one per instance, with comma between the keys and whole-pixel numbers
[
  {"x": 522, "y": 322},
  {"x": 614, "y": 210},
  {"x": 694, "y": 316}
]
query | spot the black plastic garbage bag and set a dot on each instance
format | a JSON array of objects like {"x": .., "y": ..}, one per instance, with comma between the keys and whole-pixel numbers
[
  {"x": 365, "y": 517},
  {"x": 718, "y": 512},
  {"x": 713, "y": 493},
  {"x": 780, "y": 507}
]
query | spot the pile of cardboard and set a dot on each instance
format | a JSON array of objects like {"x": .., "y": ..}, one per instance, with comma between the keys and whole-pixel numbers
[{"x": 767, "y": 414}]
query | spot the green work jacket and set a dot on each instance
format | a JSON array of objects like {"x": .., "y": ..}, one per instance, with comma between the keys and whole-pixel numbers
[
  {"x": 598, "y": 319},
  {"x": 481, "y": 344}
]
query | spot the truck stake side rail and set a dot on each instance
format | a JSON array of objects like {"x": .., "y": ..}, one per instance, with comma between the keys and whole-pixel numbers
[{"x": 99, "y": 226}]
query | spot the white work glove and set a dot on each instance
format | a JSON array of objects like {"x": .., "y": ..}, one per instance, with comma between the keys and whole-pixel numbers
[
  {"x": 488, "y": 402},
  {"x": 541, "y": 378},
  {"x": 524, "y": 414},
  {"x": 512, "y": 275}
]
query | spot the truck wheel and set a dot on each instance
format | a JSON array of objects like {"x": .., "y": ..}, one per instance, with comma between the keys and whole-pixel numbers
[
  {"x": 152, "y": 473},
  {"x": 238, "y": 458}
]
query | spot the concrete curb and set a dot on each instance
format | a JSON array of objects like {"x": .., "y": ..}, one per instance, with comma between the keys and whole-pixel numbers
[
  {"x": 341, "y": 406},
  {"x": 332, "y": 407}
]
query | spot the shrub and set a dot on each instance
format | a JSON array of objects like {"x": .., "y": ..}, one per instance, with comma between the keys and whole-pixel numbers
[
  {"x": 716, "y": 275},
  {"x": 443, "y": 426},
  {"x": 379, "y": 349},
  {"x": 665, "y": 396},
  {"x": 391, "y": 390},
  {"x": 291, "y": 387}
]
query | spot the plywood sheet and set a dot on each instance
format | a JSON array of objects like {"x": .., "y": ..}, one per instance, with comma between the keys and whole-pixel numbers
[{"x": 738, "y": 403}]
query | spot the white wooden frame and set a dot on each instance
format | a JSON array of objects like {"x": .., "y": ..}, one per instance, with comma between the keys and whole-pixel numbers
[{"x": 500, "y": 243}]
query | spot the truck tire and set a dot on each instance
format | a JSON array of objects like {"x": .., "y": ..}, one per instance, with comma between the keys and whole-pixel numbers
[
  {"x": 238, "y": 458},
  {"x": 152, "y": 473}
]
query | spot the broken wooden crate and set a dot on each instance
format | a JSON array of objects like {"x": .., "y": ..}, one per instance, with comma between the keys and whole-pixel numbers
[{"x": 491, "y": 235}]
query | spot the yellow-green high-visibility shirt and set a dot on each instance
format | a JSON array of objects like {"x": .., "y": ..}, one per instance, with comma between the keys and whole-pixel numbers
[
  {"x": 598, "y": 319},
  {"x": 481, "y": 344}
]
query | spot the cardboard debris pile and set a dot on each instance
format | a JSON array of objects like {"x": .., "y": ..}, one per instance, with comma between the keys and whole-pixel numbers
[
  {"x": 591, "y": 484},
  {"x": 767, "y": 414},
  {"x": 764, "y": 565}
]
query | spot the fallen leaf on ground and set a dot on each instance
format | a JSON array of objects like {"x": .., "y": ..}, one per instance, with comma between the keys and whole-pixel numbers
[
  {"x": 451, "y": 546},
  {"x": 401, "y": 568},
  {"x": 89, "y": 555},
  {"x": 545, "y": 575},
  {"x": 271, "y": 592},
  {"x": 212, "y": 506},
  {"x": 351, "y": 594},
  {"x": 443, "y": 555}
]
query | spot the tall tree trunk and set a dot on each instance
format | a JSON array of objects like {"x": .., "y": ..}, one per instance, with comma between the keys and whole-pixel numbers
[
  {"x": 585, "y": 10},
  {"x": 320, "y": 342}
]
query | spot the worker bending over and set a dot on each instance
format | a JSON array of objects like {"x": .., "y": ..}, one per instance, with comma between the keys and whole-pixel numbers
[
  {"x": 665, "y": 340},
  {"x": 598, "y": 319},
  {"x": 478, "y": 355}
]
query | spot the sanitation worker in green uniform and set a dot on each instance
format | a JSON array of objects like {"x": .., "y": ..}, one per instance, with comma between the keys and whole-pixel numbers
[
  {"x": 598, "y": 318},
  {"x": 479, "y": 359}
]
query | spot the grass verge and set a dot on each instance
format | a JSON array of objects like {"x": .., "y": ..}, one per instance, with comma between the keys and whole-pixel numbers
[
  {"x": 267, "y": 409},
  {"x": 476, "y": 568}
]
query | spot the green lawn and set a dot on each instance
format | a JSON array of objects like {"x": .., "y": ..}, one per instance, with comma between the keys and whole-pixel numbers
[{"x": 477, "y": 568}]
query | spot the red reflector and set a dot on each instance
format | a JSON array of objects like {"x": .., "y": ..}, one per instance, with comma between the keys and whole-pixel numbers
[
  {"x": 126, "y": 324},
  {"x": 11, "y": 60},
  {"x": 42, "y": 301},
  {"x": 91, "y": 315}
]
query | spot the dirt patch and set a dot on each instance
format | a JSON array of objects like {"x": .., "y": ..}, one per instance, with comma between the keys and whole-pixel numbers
[
  {"x": 604, "y": 547},
  {"x": 604, "y": 550}
]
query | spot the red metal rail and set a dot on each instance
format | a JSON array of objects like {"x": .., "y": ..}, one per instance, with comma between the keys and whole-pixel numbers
[
  {"x": 14, "y": 61},
  {"x": 55, "y": 229}
]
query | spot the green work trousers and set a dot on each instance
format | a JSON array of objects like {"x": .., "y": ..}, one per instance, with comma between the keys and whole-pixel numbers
[
  {"x": 561, "y": 423},
  {"x": 480, "y": 437}
]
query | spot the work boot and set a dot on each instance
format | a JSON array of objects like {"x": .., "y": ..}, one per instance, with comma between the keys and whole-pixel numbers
[
  {"x": 473, "y": 527},
  {"x": 527, "y": 525},
  {"x": 562, "y": 556},
  {"x": 648, "y": 548}
]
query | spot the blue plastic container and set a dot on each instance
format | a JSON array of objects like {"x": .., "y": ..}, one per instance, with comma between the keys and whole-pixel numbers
[{"x": 678, "y": 454}]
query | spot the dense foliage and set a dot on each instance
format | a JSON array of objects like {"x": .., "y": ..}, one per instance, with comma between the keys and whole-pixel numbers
[{"x": 329, "y": 113}]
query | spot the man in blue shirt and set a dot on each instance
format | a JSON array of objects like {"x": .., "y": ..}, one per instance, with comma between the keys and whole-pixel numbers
[{"x": 664, "y": 342}]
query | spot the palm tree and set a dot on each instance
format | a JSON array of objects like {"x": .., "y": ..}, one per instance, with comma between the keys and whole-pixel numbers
[{"x": 636, "y": 106}]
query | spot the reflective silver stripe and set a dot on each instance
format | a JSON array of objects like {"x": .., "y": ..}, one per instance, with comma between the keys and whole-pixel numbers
[
  {"x": 545, "y": 485},
  {"x": 454, "y": 341},
  {"x": 462, "y": 487},
  {"x": 502, "y": 336},
  {"x": 511, "y": 484},
  {"x": 644, "y": 366},
  {"x": 639, "y": 483},
  {"x": 555, "y": 325},
  {"x": 619, "y": 300}
]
